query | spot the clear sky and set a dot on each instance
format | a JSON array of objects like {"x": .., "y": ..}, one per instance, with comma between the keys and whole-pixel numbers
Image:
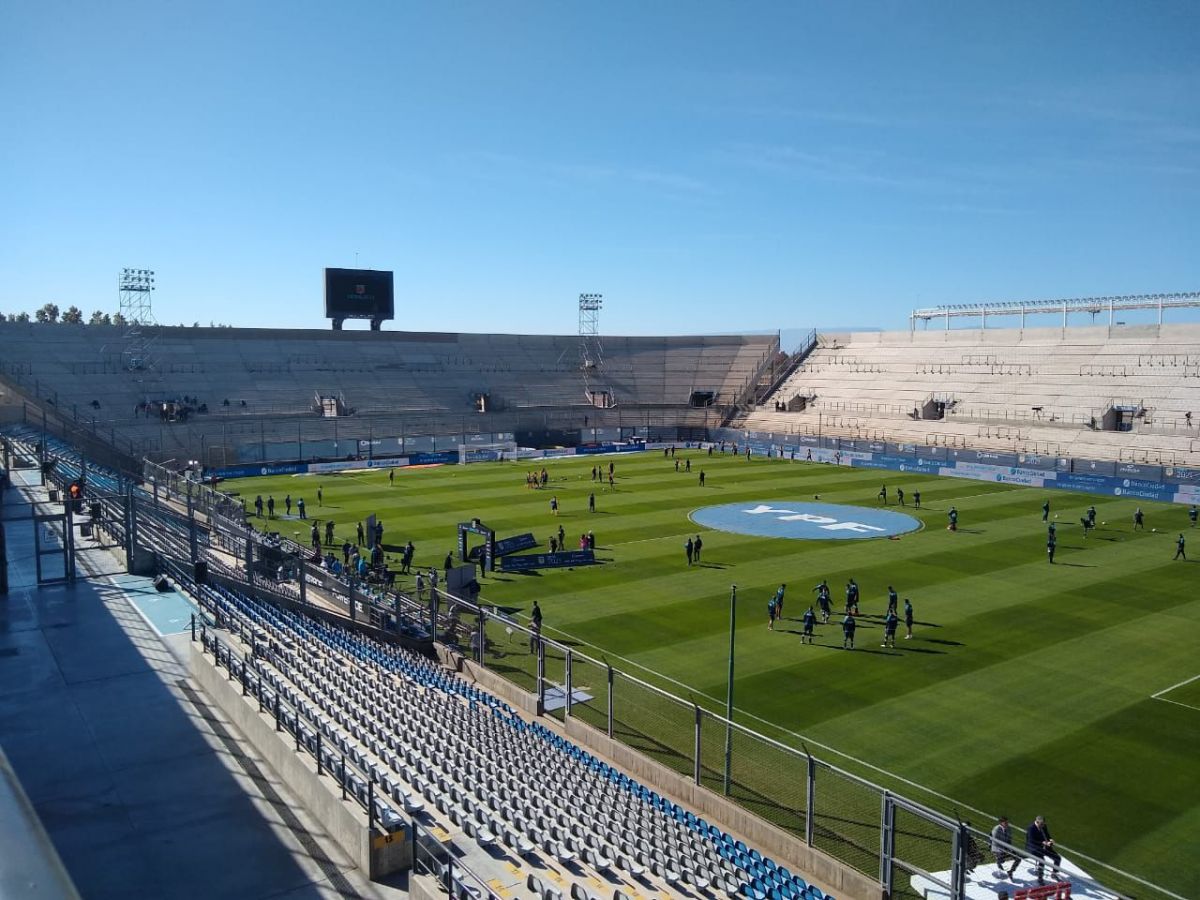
[{"x": 708, "y": 167}]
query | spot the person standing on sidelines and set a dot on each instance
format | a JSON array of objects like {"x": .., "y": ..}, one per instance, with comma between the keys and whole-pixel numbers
[
  {"x": 592, "y": 497},
  {"x": 690, "y": 549},
  {"x": 810, "y": 621},
  {"x": 908, "y": 618},
  {"x": 848, "y": 625},
  {"x": 1045, "y": 517},
  {"x": 772, "y": 614},
  {"x": 1001, "y": 844},
  {"x": 287, "y": 504},
  {"x": 535, "y": 621},
  {"x": 889, "y": 629},
  {"x": 1038, "y": 843},
  {"x": 1179, "y": 547},
  {"x": 917, "y": 499},
  {"x": 697, "y": 546},
  {"x": 779, "y": 600}
]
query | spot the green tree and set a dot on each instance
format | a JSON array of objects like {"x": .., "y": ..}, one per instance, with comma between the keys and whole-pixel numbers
[
  {"x": 48, "y": 313},
  {"x": 100, "y": 318},
  {"x": 73, "y": 316},
  {"x": 21, "y": 317},
  {"x": 119, "y": 319}
]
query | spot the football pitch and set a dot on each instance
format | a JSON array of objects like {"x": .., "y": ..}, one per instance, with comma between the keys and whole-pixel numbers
[{"x": 1068, "y": 690}]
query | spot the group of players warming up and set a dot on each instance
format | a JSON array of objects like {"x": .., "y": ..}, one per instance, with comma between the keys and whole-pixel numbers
[{"x": 890, "y": 618}]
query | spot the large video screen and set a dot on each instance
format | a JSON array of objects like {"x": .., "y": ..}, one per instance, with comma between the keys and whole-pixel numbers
[{"x": 358, "y": 294}]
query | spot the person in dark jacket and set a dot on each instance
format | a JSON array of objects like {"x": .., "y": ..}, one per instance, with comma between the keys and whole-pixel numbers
[{"x": 1039, "y": 844}]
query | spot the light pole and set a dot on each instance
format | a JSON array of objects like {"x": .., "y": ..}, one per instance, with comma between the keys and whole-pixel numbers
[{"x": 729, "y": 690}]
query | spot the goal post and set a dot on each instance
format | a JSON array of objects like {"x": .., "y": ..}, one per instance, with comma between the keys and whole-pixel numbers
[{"x": 474, "y": 453}]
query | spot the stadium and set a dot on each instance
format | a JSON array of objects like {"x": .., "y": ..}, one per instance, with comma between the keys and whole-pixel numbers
[{"x": 426, "y": 613}]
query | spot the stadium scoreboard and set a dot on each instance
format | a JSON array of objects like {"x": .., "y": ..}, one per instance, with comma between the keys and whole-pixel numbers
[{"x": 359, "y": 294}]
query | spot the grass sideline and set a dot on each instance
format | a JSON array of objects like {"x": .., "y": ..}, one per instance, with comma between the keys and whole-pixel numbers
[{"x": 1027, "y": 688}]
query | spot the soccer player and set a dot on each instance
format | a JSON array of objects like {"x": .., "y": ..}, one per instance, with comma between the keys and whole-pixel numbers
[
  {"x": 391, "y": 477},
  {"x": 810, "y": 621},
  {"x": 779, "y": 600},
  {"x": 851, "y": 598},
  {"x": 690, "y": 549},
  {"x": 908, "y": 618},
  {"x": 287, "y": 504},
  {"x": 300, "y": 508},
  {"x": 848, "y": 625},
  {"x": 697, "y": 546},
  {"x": 892, "y": 600},
  {"x": 320, "y": 496},
  {"x": 1091, "y": 514},
  {"x": 592, "y": 496},
  {"x": 889, "y": 629},
  {"x": 270, "y": 507},
  {"x": 953, "y": 515},
  {"x": 772, "y": 612},
  {"x": 701, "y": 478},
  {"x": 1045, "y": 515},
  {"x": 917, "y": 499},
  {"x": 900, "y": 495},
  {"x": 1139, "y": 519},
  {"x": 883, "y": 495},
  {"x": 554, "y": 505},
  {"x": 1179, "y": 547},
  {"x": 823, "y": 601},
  {"x": 1192, "y": 514},
  {"x": 1051, "y": 546}
]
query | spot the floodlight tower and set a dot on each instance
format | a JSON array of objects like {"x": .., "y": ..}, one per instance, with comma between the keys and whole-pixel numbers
[
  {"x": 135, "y": 288},
  {"x": 591, "y": 354}
]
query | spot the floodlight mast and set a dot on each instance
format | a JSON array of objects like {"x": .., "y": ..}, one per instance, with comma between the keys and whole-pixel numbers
[
  {"x": 135, "y": 289},
  {"x": 591, "y": 353}
]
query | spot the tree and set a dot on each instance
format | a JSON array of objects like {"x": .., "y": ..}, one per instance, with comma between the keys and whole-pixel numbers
[
  {"x": 100, "y": 318},
  {"x": 119, "y": 319},
  {"x": 73, "y": 316},
  {"x": 21, "y": 317},
  {"x": 48, "y": 313}
]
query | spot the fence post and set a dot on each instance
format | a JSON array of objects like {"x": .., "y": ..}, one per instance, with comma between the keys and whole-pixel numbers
[
  {"x": 302, "y": 576},
  {"x": 610, "y": 701},
  {"x": 482, "y": 634},
  {"x": 277, "y": 727},
  {"x": 696, "y": 744},
  {"x": 370, "y": 805},
  {"x": 567, "y": 678},
  {"x": 541, "y": 677},
  {"x": 342, "y": 774},
  {"x": 958, "y": 874},
  {"x": 320, "y": 770},
  {"x": 887, "y": 840},
  {"x": 193, "y": 628},
  {"x": 810, "y": 800}
]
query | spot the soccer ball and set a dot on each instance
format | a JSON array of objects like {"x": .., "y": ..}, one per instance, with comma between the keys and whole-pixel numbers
[
  {"x": 1056, "y": 515},
  {"x": 1103, "y": 523},
  {"x": 1154, "y": 529}
]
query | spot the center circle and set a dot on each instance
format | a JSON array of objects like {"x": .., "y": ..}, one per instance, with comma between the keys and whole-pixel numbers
[{"x": 804, "y": 521}]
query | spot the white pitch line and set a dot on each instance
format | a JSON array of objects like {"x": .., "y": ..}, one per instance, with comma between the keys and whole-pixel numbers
[
  {"x": 1177, "y": 703},
  {"x": 1172, "y": 687}
]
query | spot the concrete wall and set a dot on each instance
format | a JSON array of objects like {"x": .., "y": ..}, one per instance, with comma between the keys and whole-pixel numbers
[
  {"x": 835, "y": 877},
  {"x": 343, "y": 819}
]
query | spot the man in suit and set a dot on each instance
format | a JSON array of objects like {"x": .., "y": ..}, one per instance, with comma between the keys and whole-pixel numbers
[{"x": 1039, "y": 844}]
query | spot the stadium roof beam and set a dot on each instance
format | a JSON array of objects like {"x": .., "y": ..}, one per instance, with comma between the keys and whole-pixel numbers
[{"x": 1023, "y": 308}]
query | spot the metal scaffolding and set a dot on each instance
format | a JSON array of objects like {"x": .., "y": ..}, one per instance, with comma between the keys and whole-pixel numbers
[{"x": 1093, "y": 306}]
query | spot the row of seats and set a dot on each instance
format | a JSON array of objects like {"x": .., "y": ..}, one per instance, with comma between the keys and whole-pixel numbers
[{"x": 427, "y": 737}]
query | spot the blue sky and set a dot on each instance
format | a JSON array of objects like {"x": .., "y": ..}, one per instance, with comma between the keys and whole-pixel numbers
[{"x": 708, "y": 167}]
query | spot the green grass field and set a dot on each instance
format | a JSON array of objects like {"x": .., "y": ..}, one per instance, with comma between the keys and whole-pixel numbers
[{"x": 1026, "y": 689}]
